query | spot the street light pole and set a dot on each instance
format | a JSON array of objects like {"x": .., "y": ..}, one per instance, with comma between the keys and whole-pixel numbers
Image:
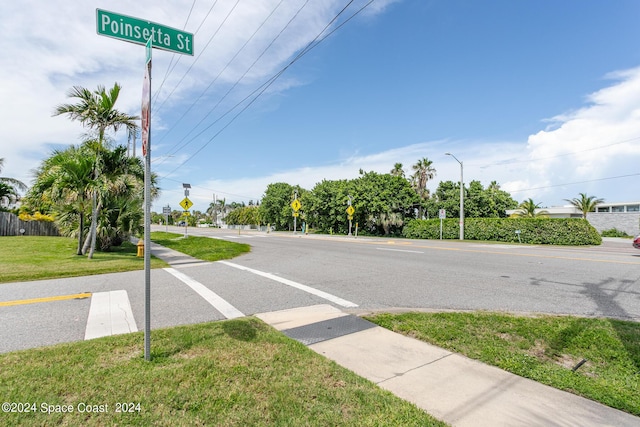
[{"x": 461, "y": 197}]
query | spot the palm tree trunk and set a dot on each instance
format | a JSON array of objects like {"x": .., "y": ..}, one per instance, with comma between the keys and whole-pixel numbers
[
  {"x": 94, "y": 223},
  {"x": 79, "y": 252},
  {"x": 94, "y": 235}
]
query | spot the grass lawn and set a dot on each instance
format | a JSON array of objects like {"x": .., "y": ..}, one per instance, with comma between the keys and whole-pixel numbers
[
  {"x": 203, "y": 248},
  {"x": 26, "y": 258},
  {"x": 543, "y": 348},
  {"x": 231, "y": 373}
]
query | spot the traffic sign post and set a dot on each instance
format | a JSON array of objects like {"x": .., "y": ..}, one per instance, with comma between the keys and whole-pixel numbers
[
  {"x": 350, "y": 211},
  {"x": 166, "y": 210},
  {"x": 295, "y": 205},
  {"x": 151, "y": 35},
  {"x": 442, "y": 214}
]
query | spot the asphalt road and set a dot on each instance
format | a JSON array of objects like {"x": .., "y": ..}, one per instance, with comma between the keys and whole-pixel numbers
[{"x": 364, "y": 274}]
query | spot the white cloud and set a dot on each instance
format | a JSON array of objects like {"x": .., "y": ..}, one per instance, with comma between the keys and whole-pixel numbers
[{"x": 47, "y": 47}]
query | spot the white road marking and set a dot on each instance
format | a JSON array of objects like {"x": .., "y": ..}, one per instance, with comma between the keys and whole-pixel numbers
[
  {"x": 305, "y": 288},
  {"x": 227, "y": 310},
  {"x": 400, "y": 250},
  {"x": 109, "y": 314}
]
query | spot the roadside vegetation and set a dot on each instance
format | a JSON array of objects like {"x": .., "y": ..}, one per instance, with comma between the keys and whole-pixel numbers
[
  {"x": 547, "y": 349},
  {"x": 203, "y": 248},
  {"x": 231, "y": 373},
  {"x": 26, "y": 258},
  {"x": 533, "y": 230}
]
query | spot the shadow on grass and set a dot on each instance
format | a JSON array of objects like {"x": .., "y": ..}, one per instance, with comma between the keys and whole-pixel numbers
[{"x": 606, "y": 295}]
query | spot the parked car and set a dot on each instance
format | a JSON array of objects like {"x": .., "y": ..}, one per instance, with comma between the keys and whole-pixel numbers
[{"x": 636, "y": 242}]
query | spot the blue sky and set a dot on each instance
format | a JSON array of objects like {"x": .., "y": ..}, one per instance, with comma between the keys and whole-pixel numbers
[{"x": 541, "y": 96}]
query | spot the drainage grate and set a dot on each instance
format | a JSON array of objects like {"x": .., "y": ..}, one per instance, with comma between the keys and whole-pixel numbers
[{"x": 328, "y": 329}]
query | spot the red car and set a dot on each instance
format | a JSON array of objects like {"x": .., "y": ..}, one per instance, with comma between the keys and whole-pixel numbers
[{"x": 636, "y": 242}]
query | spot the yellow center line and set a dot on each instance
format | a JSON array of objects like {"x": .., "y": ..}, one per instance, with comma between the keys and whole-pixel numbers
[{"x": 45, "y": 299}]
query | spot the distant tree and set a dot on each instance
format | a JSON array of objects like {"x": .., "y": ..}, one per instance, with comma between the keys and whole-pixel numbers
[
  {"x": 528, "y": 209},
  {"x": 423, "y": 172},
  {"x": 248, "y": 215},
  {"x": 397, "y": 170},
  {"x": 9, "y": 187},
  {"x": 479, "y": 202},
  {"x": 585, "y": 203},
  {"x": 275, "y": 208}
]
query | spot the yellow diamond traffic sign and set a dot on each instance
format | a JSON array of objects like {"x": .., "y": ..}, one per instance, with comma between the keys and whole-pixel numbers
[
  {"x": 350, "y": 210},
  {"x": 186, "y": 203},
  {"x": 296, "y": 205}
]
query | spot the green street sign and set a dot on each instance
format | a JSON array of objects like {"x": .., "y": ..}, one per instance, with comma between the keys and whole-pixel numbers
[{"x": 139, "y": 31}]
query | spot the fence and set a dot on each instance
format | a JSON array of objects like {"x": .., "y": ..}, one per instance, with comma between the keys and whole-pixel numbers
[{"x": 11, "y": 225}]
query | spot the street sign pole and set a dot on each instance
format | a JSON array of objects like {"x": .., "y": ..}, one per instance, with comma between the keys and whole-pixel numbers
[
  {"x": 146, "y": 151},
  {"x": 152, "y": 35}
]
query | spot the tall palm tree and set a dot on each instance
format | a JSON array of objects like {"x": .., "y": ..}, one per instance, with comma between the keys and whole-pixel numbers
[
  {"x": 9, "y": 187},
  {"x": 423, "y": 172},
  {"x": 397, "y": 170},
  {"x": 585, "y": 203},
  {"x": 528, "y": 209},
  {"x": 96, "y": 111}
]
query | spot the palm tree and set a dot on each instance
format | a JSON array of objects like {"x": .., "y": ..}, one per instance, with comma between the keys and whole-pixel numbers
[
  {"x": 95, "y": 110},
  {"x": 9, "y": 187},
  {"x": 67, "y": 179},
  {"x": 423, "y": 173},
  {"x": 397, "y": 170},
  {"x": 585, "y": 203},
  {"x": 528, "y": 209}
]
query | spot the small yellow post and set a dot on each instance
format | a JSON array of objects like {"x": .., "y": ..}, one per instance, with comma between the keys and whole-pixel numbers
[{"x": 140, "y": 248}]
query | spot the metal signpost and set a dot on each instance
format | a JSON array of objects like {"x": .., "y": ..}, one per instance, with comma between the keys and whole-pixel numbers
[
  {"x": 166, "y": 210},
  {"x": 151, "y": 35},
  {"x": 350, "y": 211},
  {"x": 295, "y": 205},
  {"x": 442, "y": 214}
]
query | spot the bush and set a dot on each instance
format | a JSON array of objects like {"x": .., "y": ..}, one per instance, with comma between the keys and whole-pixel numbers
[
  {"x": 547, "y": 231},
  {"x": 614, "y": 232}
]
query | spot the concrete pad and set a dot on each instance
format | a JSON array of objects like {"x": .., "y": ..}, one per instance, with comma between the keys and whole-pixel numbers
[
  {"x": 379, "y": 354},
  {"x": 294, "y": 317},
  {"x": 109, "y": 314},
  {"x": 464, "y": 392}
]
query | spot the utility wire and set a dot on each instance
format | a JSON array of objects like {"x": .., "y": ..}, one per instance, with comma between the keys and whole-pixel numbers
[
  {"x": 515, "y": 162},
  {"x": 169, "y": 69},
  {"x": 200, "y": 55},
  {"x": 193, "y": 104},
  {"x": 575, "y": 183},
  {"x": 315, "y": 42}
]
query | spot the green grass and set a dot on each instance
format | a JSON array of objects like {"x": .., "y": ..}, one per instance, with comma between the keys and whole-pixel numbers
[
  {"x": 203, "y": 248},
  {"x": 26, "y": 258},
  {"x": 544, "y": 349},
  {"x": 231, "y": 373}
]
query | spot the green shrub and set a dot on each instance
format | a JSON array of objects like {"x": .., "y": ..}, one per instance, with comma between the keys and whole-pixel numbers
[
  {"x": 614, "y": 232},
  {"x": 548, "y": 231}
]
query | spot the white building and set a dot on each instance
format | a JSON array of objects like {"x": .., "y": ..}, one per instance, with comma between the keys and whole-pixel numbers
[{"x": 621, "y": 216}]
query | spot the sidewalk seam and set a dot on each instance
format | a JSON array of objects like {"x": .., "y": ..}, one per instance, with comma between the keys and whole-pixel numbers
[{"x": 415, "y": 368}]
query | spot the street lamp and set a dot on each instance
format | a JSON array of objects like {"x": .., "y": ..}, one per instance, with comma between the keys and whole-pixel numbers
[{"x": 461, "y": 197}]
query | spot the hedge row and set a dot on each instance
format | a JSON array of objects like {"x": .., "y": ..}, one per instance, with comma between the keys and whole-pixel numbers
[{"x": 547, "y": 231}]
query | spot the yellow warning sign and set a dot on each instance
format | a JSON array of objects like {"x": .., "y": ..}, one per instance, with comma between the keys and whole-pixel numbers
[{"x": 186, "y": 203}]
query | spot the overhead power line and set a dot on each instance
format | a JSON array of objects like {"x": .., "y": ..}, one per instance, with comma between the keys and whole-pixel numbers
[{"x": 311, "y": 45}]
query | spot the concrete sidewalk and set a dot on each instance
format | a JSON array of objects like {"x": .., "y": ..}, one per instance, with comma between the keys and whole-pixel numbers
[{"x": 451, "y": 387}]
